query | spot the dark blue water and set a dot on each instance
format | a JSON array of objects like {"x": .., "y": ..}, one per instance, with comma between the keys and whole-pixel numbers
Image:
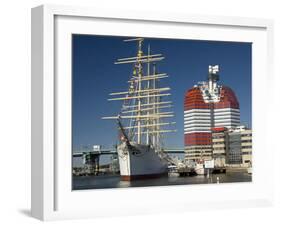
[{"x": 113, "y": 181}]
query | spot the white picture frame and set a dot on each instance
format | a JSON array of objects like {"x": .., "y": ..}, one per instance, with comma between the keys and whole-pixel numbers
[{"x": 52, "y": 197}]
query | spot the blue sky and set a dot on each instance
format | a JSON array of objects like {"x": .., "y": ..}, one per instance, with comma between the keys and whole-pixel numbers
[{"x": 186, "y": 62}]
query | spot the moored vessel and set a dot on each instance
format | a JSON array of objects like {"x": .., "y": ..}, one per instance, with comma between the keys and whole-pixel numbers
[
  {"x": 141, "y": 121},
  {"x": 200, "y": 168}
]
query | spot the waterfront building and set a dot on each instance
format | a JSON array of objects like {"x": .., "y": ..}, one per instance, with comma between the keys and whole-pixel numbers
[
  {"x": 207, "y": 105},
  {"x": 232, "y": 146},
  {"x": 246, "y": 147},
  {"x": 234, "y": 154},
  {"x": 219, "y": 146},
  {"x": 239, "y": 146}
]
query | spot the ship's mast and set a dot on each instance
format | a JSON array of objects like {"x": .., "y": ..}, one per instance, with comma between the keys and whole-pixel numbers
[
  {"x": 148, "y": 99},
  {"x": 139, "y": 67},
  {"x": 143, "y": 101},
  {"x": 154, "y": 107}
]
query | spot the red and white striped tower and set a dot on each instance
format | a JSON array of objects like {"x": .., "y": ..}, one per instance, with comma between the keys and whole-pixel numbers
[{"x": 206, "y": 106}]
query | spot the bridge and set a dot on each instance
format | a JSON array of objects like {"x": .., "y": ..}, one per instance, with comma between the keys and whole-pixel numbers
[
  {"x": 113, "y": 151},
  {"x": 91, "y": 159}
]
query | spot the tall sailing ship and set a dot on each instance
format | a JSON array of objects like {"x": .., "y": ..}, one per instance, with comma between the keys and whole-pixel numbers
[{"x": 142, "y": 119}]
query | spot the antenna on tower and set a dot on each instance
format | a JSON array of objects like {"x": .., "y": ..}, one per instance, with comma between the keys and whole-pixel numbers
[
  {"x": 213, "y": 69},
  {"x": 213, "y": 77}
]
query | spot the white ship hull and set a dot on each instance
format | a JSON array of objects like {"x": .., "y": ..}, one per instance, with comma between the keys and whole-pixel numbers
[
  {"x": 140, "y": 162},
  {"x": 200, "y": 169}
]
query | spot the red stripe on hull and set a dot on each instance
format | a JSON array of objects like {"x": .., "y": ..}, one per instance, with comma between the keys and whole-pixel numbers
[{"x": 142, "y": 177}]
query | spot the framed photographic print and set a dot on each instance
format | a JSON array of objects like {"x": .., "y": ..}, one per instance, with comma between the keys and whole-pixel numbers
[{"x": 139, "y": 112}]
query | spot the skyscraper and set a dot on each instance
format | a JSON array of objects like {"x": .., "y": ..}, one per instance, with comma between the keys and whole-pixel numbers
[{"x": 207, "y": 105}]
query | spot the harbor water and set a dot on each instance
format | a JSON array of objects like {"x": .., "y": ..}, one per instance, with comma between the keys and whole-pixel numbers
[{"x": 114, "y": 181}]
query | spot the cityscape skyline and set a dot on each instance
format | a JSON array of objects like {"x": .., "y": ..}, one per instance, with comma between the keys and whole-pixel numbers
[{"x": 186, "y": 61}]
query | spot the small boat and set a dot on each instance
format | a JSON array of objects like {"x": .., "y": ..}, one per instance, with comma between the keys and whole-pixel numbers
[
  {"x": 249, "y": 170},
  {"x": 199, "y": 169},
  {"x": 172, "y": 171}
]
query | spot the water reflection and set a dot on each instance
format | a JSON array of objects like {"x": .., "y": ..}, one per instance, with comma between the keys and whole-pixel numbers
[{"x": 113, "y": 181}]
